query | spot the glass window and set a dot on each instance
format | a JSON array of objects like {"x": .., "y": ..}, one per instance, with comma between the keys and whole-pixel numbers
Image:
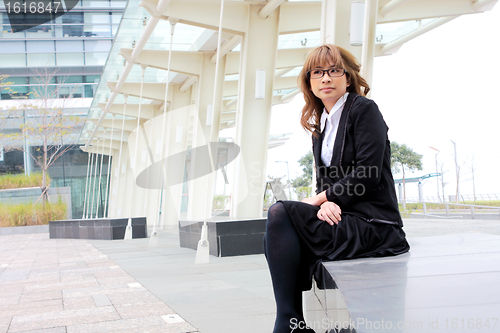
[
  {"x": 41, "y": 59},
  {"x": 12, "y": 47},
  {"x": 12, "y": 60},
  {"x": 41, "y": 79},
  {"x": 96, "y": 3},
  {"x": 73, "y": 30},
  {"x": 95, "y": 59},
  {"x": 73, "y": 24},
  {"x": 116, "y": 18},
  {"x": 17, "y": 80},
  {"x": 97, "y": 30},
  {"x": 35, "y": 46},
  {"x": 69, "y": 46},
  {"x": 19, "y": 92},
  {"x": 71, "y": 79},
  {"x": 97, "y": 18},
  {"x": 97, "y": 45},
  {"x": 89, "y": 91},
  {"x": 118, "y": 4},
  {"x": 69, "y": 59},
  {"x": 41, "y": 92},
  {"x": 92, "y": 78}
]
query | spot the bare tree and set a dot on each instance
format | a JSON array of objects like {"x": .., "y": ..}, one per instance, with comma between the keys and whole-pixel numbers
[
  {"x": 50, "y": 125},
  {"x": 9, "y": 127}
]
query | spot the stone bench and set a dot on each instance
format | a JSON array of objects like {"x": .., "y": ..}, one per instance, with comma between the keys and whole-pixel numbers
[
  {"x": 226, "y": 236},
  {"x": 103, "y": 228},
  {"x": 444, "y": 284}
]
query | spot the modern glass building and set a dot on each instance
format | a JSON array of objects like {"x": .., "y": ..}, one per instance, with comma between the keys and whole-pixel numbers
[{"x": 74, "y": 47}]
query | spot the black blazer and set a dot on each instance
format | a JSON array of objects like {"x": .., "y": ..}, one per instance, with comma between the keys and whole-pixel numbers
[{"x": 359, "y": 178}]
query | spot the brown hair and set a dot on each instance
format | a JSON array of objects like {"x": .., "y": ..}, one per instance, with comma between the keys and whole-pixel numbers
[{"x": 326, "y": 54}]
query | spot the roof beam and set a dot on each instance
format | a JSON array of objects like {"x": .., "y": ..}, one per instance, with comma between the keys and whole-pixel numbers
[
  {"x": 127, "y": 125},
  {"x": 132, "y": 110},
  {"x": 226, "y": 48},
  {"x": 116, "y": 136},
  {"x": 392, "y": 47},
  {"x": 206, "y": 15},
  {"x": 308, "y": 12},
  {"x": 154, "y": 91},
  {"x": 114, "y": 145},
  {"x": 419, "y": 10},
  {"x": 269, "y": 8},
  {"x": 285, "y": 58},
  {"x": 390, "y": 6},
  {"x": 182, "y": 61}
]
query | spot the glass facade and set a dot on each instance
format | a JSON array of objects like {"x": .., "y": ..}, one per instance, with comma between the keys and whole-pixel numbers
[
  {"x": 76, "y": 42},
  {"x": 70, "y": 170},
  {"x": 74, "y": 46}
]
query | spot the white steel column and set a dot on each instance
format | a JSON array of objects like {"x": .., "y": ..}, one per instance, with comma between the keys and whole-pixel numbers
[
  {"x": 335, "y": 20},
  {"x": 368, "y": 49},
  {"x": 200, "y": 189},
  {"x": 177, "y": 131},
  {"x": 258, "y": 58}
]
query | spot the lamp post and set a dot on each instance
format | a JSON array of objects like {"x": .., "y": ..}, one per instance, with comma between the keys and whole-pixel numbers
[
  {"x": 437, "y": 177},
  {"x": 288, "y": 176},
  {"x": 457, "y": 171}
]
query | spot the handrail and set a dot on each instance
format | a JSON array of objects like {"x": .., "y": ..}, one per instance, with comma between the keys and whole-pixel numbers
[{"x": 447, "y": 207}]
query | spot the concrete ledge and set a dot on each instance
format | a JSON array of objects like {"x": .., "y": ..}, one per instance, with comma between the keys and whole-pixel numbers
[
  {"x": 226, "y": 236},
  {"x": 30, "y": 229},
  {"x": 97, "y": 228}
]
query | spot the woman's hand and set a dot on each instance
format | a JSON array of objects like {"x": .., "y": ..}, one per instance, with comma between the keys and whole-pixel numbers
[
  {"x": 330, "y": 212},
  {"x": 316, "y": 200}
]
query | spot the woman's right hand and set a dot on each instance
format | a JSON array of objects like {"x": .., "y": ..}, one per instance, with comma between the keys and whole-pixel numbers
[{"x": 329, "y": 212}]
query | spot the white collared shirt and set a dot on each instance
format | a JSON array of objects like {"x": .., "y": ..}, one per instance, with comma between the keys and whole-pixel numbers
[{"x": 329, "y": 126}]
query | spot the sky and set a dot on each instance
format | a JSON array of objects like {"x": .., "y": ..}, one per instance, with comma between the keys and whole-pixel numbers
[{"x": 438, "y": 87}]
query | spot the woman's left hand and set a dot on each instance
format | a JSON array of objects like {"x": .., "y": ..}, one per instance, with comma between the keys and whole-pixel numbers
[{"x": 316, "y": 200}]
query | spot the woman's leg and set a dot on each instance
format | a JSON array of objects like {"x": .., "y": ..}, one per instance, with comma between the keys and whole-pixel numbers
[{"x": 282, "y": 249}]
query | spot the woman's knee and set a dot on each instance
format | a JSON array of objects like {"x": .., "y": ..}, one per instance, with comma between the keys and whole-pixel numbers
[{"x": 276, "y": 215}]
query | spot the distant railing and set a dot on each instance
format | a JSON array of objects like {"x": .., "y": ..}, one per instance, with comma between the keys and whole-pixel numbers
[
  {"x": 470, "y": 207},
  {"x": 463, "y": 197}
]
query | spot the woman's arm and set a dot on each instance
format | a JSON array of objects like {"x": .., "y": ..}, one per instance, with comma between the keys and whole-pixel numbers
[{"x": 369, "y": 134}]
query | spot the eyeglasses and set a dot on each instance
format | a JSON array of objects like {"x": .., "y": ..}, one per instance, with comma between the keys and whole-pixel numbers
[{"x": 319, "y": 73}]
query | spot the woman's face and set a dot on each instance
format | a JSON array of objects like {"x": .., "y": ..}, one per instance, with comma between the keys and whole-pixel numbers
[{"x": 329, "y": 89}]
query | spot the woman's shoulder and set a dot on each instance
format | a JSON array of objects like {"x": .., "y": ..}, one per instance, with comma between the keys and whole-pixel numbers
[
  {"x": 363, "y": 101},
  {"x": 365, "y": 110}
]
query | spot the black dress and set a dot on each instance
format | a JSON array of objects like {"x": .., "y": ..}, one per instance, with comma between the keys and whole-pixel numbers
[{"x": 370, "y": 225}]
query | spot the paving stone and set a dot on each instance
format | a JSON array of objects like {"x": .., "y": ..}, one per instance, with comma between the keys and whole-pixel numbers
[
  {"x": 75, "y": 303},
  {"x": 158, "y": 308},
  {"x": 4, "y": 322},
  {"x": 61, "y": 329},
  {"x": 41, "y": 296},
  {"x": 63, "y": 318},
  {"x": 152, "y": 324},
  {"x": 31, "y": 307},
  {"x": 101, "y": 300}
]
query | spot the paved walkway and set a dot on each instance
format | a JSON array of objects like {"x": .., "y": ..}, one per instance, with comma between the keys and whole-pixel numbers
[
  {"x": 56, "y": 286},
  {"x": 65, "y": 285}
]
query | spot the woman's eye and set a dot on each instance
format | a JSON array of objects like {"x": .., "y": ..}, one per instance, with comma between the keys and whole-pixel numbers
[
  {"x": 334, "y": 70},
  {"x": 317, "y": 71}
]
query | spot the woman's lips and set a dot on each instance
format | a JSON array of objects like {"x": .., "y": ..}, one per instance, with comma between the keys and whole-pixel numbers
[{"x": 326, "y": 89}]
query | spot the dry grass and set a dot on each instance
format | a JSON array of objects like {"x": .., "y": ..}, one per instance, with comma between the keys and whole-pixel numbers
[
  {"x": 11, "y": 181},
  {"x": 29, "y": 214}
]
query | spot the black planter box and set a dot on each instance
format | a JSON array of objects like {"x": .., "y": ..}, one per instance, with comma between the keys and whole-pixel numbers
[
  {"x": 97, "y": 228},
  {"x": 225, "y": 237}
]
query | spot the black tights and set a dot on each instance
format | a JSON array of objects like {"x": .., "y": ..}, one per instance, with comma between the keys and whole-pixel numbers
[{"x": 282, "y": 249}]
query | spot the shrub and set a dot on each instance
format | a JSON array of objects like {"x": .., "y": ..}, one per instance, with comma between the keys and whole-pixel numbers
[{"x": 220, "y": 202}]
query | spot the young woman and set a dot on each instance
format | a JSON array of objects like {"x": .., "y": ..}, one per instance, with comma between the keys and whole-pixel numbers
[{"x": 354, "y": 213}]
